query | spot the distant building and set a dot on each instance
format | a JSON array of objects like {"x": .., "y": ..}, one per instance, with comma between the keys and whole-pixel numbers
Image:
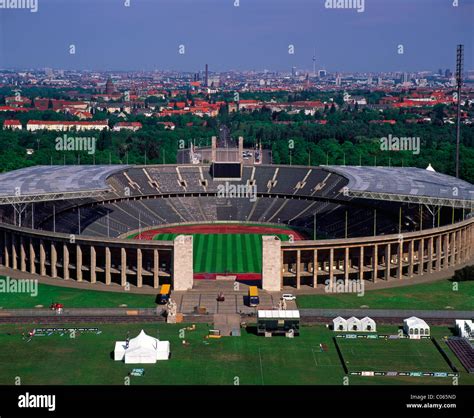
[
  {"x": 49, "y": 125},
  {"x": 130, "y": 126},
  {"x": 12, "y": 124},
  {"x": 109, "y": 87}
]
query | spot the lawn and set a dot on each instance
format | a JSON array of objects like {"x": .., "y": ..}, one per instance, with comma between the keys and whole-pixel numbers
[
  {"x": 392, "y": 355},
  {"x": 75, "y": 298},
  {"x": 246, "y": 360},
  {"x": 436, "y": 295},
  {"x": 223, "y": 253}
]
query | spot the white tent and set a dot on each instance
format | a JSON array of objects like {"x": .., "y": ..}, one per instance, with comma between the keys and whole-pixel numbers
[
  {"x": 465, "y": 328},
  {"x": 368, "y": 324},
  {"x": 142, "y": 349},
  {"x": 415, "y": 327},
  {"x": 354, "y": 324},
  {"x": 339, "y": 324}
]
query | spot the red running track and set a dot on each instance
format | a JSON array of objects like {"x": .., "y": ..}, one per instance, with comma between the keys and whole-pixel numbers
[{"x": 219, "y": 229}]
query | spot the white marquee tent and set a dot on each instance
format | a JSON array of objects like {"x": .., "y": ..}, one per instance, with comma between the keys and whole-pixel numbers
[
  {"x": 415, "y": 327},
  {"x": 339, "y": 324},
  {"x": 142, "y": 349},
  {"x": 368, "y": 324},
  {"x": 354, "y": 324}
]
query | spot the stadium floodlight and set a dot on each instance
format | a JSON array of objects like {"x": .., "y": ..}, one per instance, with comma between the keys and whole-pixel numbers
[{"x": 459, "y": 70}]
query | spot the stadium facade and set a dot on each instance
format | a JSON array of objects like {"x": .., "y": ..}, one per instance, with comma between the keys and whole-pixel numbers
[{"x": 365, "y": 223}]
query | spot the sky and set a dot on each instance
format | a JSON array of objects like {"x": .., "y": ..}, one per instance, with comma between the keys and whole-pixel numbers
[{"x": 253, "y": 35}]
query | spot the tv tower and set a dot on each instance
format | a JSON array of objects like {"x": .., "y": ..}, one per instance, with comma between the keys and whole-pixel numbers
[{"x": 314, "y": 63}]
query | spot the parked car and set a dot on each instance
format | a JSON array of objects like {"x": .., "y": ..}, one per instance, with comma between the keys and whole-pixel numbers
[{"x": 288, "y": 296}]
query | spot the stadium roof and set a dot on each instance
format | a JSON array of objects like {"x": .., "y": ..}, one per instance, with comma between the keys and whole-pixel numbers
[
  {"x": 407, "y": 184},
  {"x": 41, "y": 183}
]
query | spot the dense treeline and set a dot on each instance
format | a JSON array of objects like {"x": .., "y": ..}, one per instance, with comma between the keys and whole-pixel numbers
[{"x": 348, "y": 138}]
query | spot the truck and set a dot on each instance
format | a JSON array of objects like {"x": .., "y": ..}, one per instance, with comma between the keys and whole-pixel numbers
[
  {"x": 165, "y": 294},
  {"x": 253, "y": 296}
]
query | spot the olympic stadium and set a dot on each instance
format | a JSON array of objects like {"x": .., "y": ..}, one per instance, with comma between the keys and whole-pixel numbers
[{"x": 295, "y": 226}]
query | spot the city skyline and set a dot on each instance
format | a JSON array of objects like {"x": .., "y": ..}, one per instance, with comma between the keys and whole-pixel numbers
[{"x": 112, "y": 37}]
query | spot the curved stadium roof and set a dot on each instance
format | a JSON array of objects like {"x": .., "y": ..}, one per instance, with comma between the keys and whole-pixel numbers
[
  {"x": 55, "y": 182},
  {"x": 381, "y": 183},
  {"x": 406, "y": 184}
]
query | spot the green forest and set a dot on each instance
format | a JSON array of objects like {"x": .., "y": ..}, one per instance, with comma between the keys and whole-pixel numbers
[{"x": 348, "y": 138}]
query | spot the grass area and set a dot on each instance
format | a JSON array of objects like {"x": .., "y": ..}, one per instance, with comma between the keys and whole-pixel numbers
[
  {"x": 392, "y": 355},
  {"x": 251, "y": 359},
  {"x": 75, "y": 298},
  {"x": 221, "y": 253},
  {"x": 436, "y": 295}
]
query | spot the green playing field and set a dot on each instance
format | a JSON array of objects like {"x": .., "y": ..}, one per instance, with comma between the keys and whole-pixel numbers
[
  {"x": 221, "y": 253},
  {"x": 402, "y": 355}
]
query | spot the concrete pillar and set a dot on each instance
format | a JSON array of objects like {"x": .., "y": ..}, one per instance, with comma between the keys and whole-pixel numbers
[
  {"x": 22, "y": 255},
  {"x": 14, "y": 254},
  {"x": 298, "y": 269},
  {"x": 346, "y": 265},
  {"x": 421, "y": 257},
  {"x": 108, "y": 262},
  {"x": 411, "y": 257},
  {"x": 65, "y": 262},
  {"x": 93, "y": 265},
  {"x": 183, "y": 273},
  {"x": 457, "y": 247},
  {"x": 388, "y": 261},
  {"x": 315, "y": 268},
  {"x": 438, "y": 253},
  {"x": 123, "y": 267},
  {"x": 78, "y": 263},
  {"x": 42, "y": 259},
  {"x": 139, "y": 268},
  {"x": 446, "y": 251},
  {"x": 375, "y": 263},
  {"x": 156, "y": 269},
  {"x": 331, "y": 268},
  {"x": 54, "y": 260},
  {"x": 361, "y": 263},
  {"x": 32, "y": 257},
  {"x": 400, "y": 260},
  {"x": 430, "y": 255},
  {"x": 6, "y": 253}
]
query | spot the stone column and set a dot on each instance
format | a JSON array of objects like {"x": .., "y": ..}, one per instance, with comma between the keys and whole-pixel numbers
[
  {"x": 65, "y": 262},
  {"x": 93, "y": 265},
  {"x": 183, "y": 273},
  {"x": 32, "y": 257},
  {"x": 446, "y": 251},
  {"x": 139, "y": 267},
  {"x": 298, "y": 269},
  {"x": 42, "y": 259},
  {"x": 108, "y": 262},
  {"x": 123, "y": 267},
  {"x": 438, "y": 253},
  {"x": 346, "y": 265},
  {"x": 430, "y": 255},
  {"x": 315, "y": 268},
  {"x": 361, "y": 263},
  {"x": 156, "y": 269},
  {"x": 54, "y": 260},
  {"x": 6, "y": 257},
  {"x": 375, "y": 262},
  {"x": 388, "y": 261},
  {"x": 331, "y": 268},
  {"x": 22, "y": 255},
  {"x": 14, "y": 254},
  {"x": 400, "y": 260},
  {"x": 421, "y": 257},
  {"x": 78, "y": 263},
  {"x": 411, "y": 258}
]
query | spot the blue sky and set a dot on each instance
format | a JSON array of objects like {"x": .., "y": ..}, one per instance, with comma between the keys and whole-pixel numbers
[{"x": 256, "y": 35}]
